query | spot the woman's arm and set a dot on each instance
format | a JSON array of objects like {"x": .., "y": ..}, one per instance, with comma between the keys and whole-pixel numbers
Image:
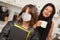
[
  {"x": 50, "y": 32},
  {"x": 35, "y": 35},
  {"x": 5, "y": 31}
]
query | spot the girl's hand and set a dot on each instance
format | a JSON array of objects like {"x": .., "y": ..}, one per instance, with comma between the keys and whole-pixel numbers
[{"x": 37, "y": 24}]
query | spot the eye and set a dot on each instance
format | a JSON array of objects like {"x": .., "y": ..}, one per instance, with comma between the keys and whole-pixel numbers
[{"x": 46, "y": 9}]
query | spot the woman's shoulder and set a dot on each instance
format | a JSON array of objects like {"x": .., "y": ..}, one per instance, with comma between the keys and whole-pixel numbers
[
  {"x": 10, "y": 22},
  {"x": 33, "y": 30}
]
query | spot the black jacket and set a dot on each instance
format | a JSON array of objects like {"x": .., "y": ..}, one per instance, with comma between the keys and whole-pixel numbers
[{"x": 34, "y": 35}]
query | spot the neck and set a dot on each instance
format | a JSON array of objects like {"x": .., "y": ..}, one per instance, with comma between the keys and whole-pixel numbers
[{"x": 25, "y": 25}]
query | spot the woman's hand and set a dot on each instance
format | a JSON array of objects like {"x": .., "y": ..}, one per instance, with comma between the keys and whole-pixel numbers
[{"x": 37, "y": 24}]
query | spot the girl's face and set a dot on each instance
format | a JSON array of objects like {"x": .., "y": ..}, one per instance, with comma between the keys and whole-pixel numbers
[
  {"x": 26, "y": 16},
  {"x": 47, "y": 11},
  {"x": 4, "y": 9}
]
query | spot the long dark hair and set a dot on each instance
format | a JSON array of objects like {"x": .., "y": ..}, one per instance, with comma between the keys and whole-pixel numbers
[
  {"x": 32, "y": 11},
  {"x": 41, "y": 17},
  {"x": 3, "y": 14}
]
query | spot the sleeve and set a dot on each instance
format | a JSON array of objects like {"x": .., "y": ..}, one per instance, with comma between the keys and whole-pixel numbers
[
  {"x": 35, "y": 35},
  {"x": 5, "y": 31}
]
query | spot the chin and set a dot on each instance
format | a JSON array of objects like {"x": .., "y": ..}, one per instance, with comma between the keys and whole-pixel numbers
[{"x": 46, "y": 16}]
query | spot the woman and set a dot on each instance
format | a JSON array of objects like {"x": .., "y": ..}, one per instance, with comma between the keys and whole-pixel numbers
[
  {"x": 25, "y": 21},
  {"x": 46, "y": 16},
  {"x": 4, "y": 13}
]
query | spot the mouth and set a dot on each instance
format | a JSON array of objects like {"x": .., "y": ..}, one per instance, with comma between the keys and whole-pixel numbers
[{"x": 46, "y": 14}]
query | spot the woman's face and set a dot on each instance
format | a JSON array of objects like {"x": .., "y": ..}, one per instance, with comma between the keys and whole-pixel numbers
[
  {"x": 26, "y": 16},
  {"x": 47, "y": 11},
  {"x": 4, "y": 9}
]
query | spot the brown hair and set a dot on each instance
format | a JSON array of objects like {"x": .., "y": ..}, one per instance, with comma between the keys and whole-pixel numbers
[{"x": 32, "y": 11}]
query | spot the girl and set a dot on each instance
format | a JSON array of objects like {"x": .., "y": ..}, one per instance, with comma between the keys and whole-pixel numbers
[
  {"x": 45, "y": 19},
  {"x": 24, "y": 24}
]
